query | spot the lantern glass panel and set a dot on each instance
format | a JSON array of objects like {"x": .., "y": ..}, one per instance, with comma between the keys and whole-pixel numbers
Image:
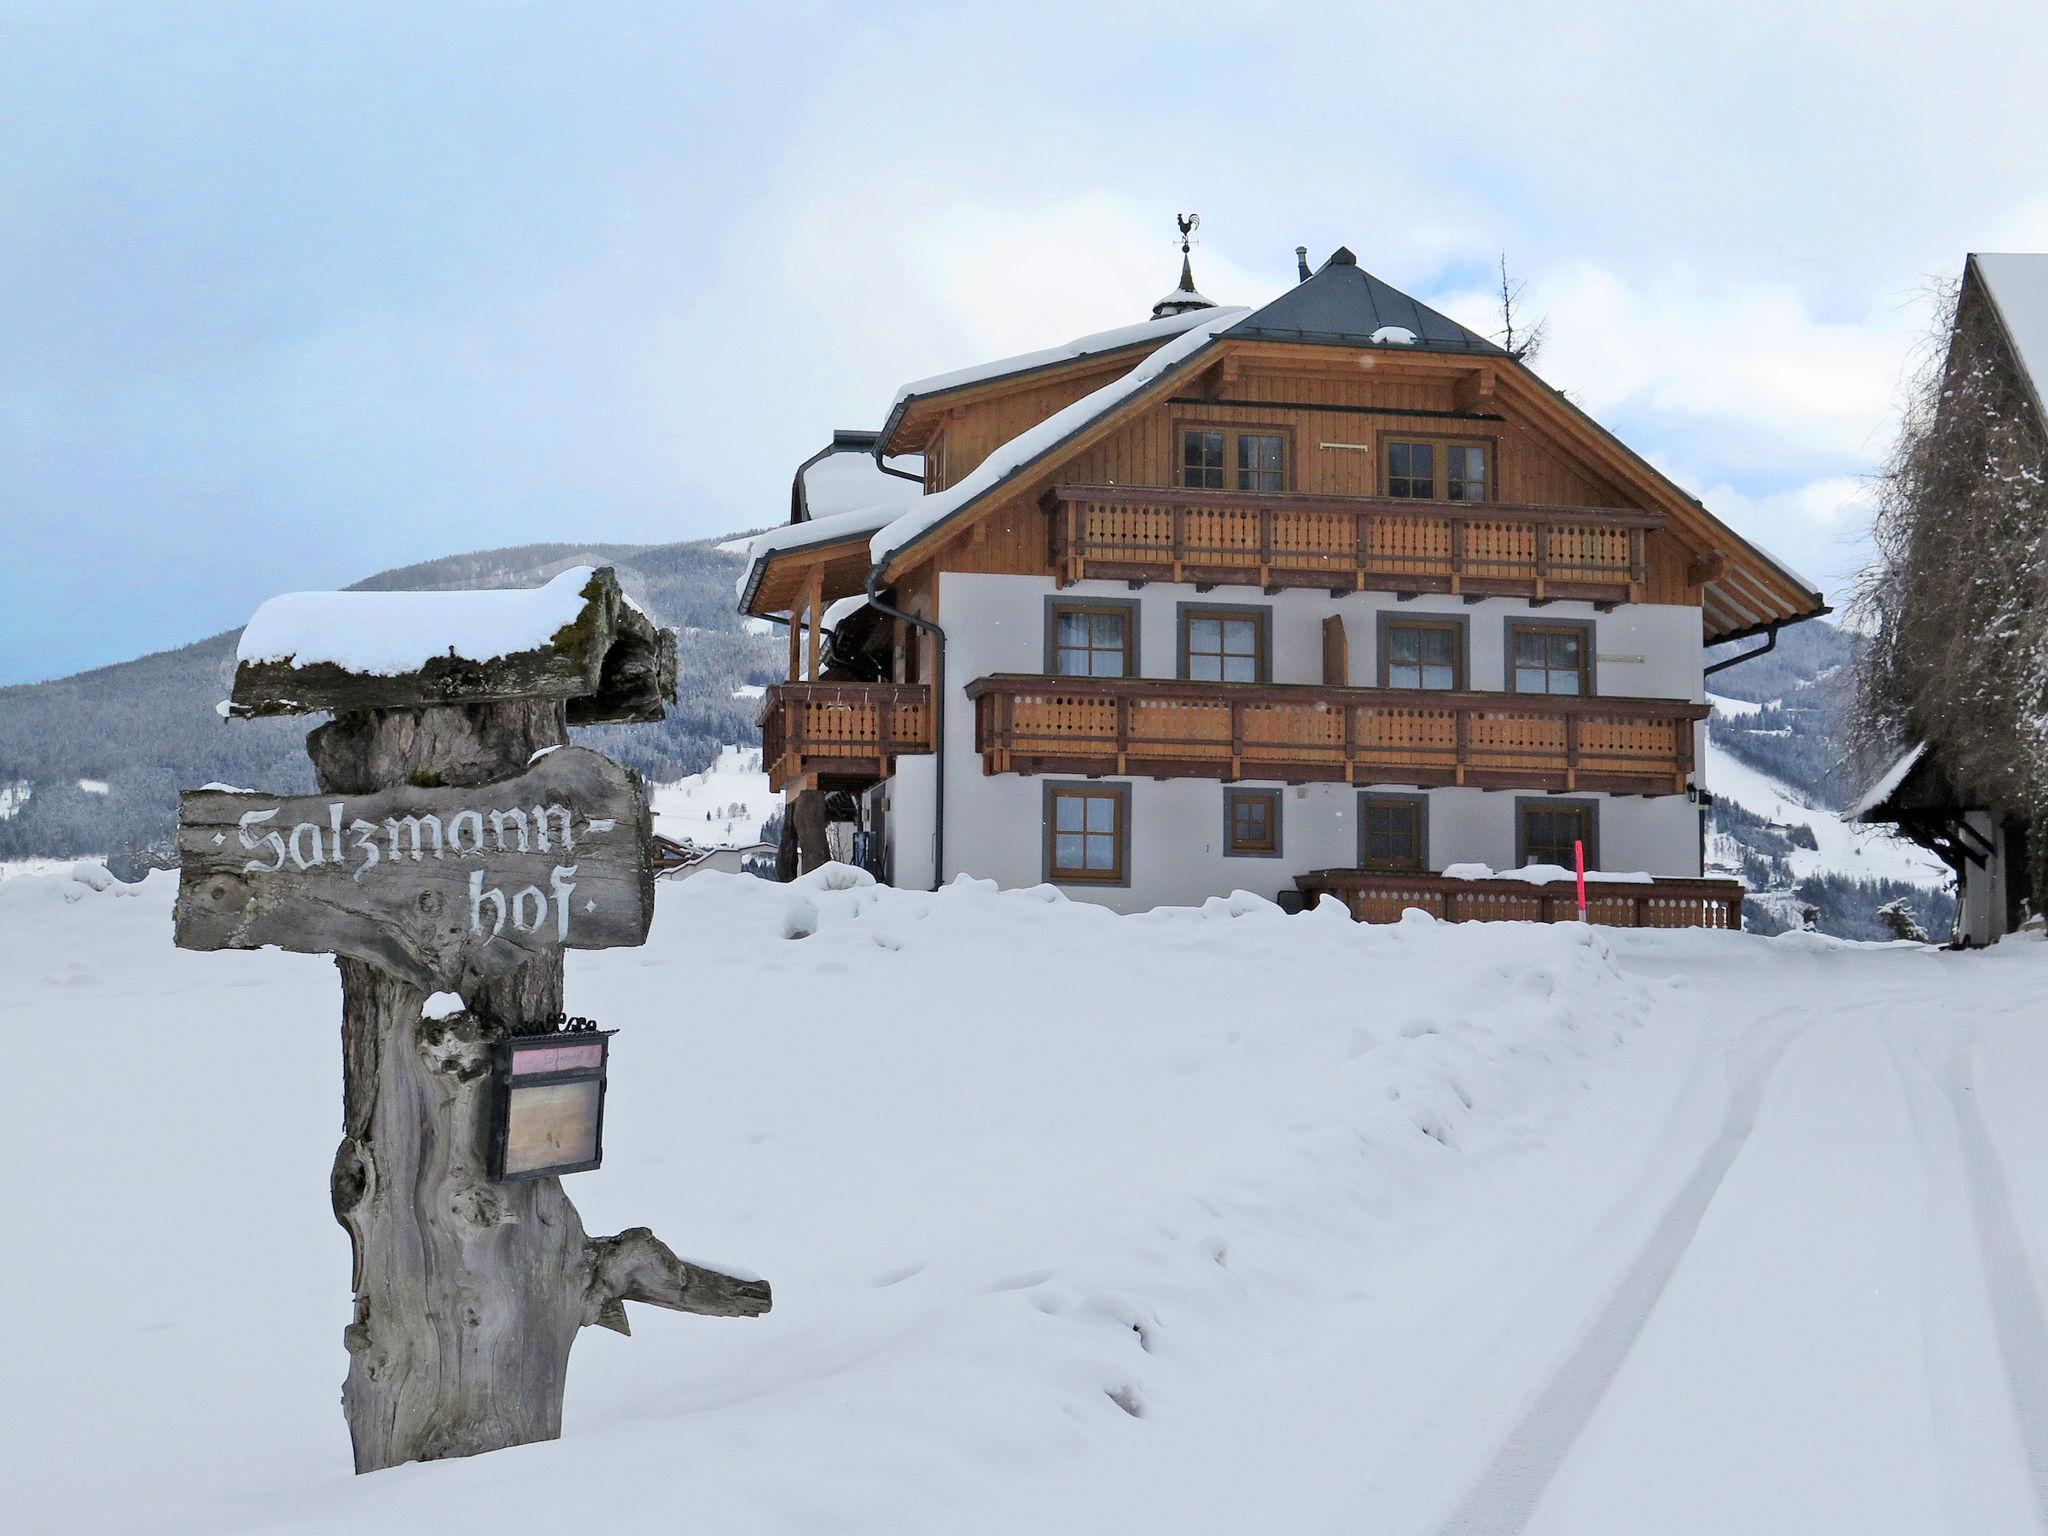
[{"x": 549, "y": 1125}]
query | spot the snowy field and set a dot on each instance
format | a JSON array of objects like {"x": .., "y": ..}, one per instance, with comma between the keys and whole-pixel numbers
[
  {"x": 1199, "y": 1221},
  {"x": 722, "y": 807}
]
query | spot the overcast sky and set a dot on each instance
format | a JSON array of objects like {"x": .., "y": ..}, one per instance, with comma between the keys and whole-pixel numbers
[{"x": 293, "y": 293}]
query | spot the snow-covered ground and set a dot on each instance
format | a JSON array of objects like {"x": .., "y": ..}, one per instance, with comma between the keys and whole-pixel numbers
[
  {"x": 1737, "y": 708},
  {"x": 1845, "y": 847},
  {"x": 722, "y": 807},
  {"x": 1198, "y": 1221},
  {"x": 15, "y": 868}
]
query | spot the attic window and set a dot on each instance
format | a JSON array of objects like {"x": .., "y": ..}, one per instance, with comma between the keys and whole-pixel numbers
[
  {"x": 1440, "y": 470},
  {"x": 1226, "y": 458}
]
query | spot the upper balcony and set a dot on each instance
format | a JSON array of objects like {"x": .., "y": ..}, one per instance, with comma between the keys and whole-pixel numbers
[
  {"x": 841, "y": 735},
  {"x": 1295, "y": 732},
  {"x": 1347, "y": 544}
]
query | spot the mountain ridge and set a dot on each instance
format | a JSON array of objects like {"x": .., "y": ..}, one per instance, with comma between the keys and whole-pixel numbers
[{"x": 147, "y": 727}]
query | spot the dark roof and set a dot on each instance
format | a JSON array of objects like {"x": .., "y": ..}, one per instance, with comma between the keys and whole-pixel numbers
[{"x": 1343, "y": 305}]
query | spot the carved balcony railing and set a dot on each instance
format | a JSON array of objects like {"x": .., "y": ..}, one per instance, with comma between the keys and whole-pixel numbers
[
  {"x": 1658, "y": 903},
  {"x": 841, "y": 735},
  {"x": 1160, "y": 728},
  {"x": 1347, "y": 544}
]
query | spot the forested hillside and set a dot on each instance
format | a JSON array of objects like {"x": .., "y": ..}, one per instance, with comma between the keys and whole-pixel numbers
[
  {"x": 1786, "y": 715},
  {"x": 147, "y": 728}
]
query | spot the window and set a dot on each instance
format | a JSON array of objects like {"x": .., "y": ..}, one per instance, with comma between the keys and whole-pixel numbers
[
  {"x": 1251, "y": 823},
  {"x": 1411, "y": 471},
  {"x": 1261, "y": 461},
  {"x": 1464, "y": 472},
  {"x": 1447, "y": 469},
  {"x": 1546, "y": 829},
  {"x": 1226, "y": 458},
  {"x": 1550, "y": 658},
  {"x": 1201, "y": 460},
  {"x": 1422, "y": 653},
  {"x": 1088, "y": 834},
  {"x": 1223, "y": 645},
  {"x": 1393, "y": 833},
  {"x": 1091, "y": 639}
]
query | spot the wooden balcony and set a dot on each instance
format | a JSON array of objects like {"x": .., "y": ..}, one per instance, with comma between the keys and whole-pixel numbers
[
  {"x": 1160, "y": 728},
  {"x": 1661, "y": 903},
  {"x": 841, "y": 735},
  {"x": 1346, "y": 544}
]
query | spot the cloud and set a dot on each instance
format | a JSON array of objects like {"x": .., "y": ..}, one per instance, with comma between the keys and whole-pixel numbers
[{"x": 1723, "y": 353}]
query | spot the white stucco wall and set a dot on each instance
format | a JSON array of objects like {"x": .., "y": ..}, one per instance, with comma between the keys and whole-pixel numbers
[
  {"x": 911, "y": 807},
  {"x": 1982, "y": 915},
  {"x": 994, "y": 824}
]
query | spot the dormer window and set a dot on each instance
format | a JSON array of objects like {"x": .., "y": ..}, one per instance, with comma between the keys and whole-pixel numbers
[
  {"x": 1436, "y": 470},
  {"x": 1233, "y": 459}
]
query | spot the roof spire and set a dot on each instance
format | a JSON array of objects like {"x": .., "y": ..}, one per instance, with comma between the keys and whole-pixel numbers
[{"x": 1184, "y": 298}]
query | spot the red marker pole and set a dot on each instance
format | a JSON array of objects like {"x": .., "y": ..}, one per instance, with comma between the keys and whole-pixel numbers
[{"x": 1579, "y": 858}]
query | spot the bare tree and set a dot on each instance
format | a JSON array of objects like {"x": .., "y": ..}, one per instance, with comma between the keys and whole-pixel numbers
[
  {"x": 1956, "y": 604},
  {"x": 1522, "y": 343}
]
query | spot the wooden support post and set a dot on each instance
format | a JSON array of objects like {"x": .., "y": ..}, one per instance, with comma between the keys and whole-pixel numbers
[{"x": 814, "y": 600}]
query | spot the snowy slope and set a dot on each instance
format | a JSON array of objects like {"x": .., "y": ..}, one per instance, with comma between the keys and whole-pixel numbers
[
  {"x": 722, "y": 807},
  {"x": 1449, "y": 1240},
  {"x": 1845, "y": 848}
]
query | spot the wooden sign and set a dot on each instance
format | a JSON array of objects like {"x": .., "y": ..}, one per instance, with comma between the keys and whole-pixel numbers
[{"x": 437, "y": 886}]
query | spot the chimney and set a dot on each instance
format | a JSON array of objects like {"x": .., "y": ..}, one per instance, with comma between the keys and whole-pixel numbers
[{"x": 1301, "y": 272}]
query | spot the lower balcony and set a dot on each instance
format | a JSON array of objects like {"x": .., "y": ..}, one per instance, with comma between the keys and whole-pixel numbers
[
  {"x": 841, "y": 735},
  {"x": 1657, "y": 903},
  {"x": 1159, "y": 728}
]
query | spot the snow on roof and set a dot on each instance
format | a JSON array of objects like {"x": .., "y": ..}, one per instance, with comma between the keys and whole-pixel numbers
[
  {"x": 929, "y": 511},
  {"x": 1782, "y": 564},
  {"x": 819, "y": 530},
  {"x": 837, "y": 613},
  {"x": 2018, "y": 286},
  {"x": 849, "y": 480},
  {"x": 1162, "y": 329},
  {"x": 1183, "y": 298},
  {"x": 1888, "y": 783},
  {"x": 388, "y": 634}
]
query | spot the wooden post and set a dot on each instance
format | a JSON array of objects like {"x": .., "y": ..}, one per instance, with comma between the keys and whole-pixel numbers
[
  {"x": 1336, "y": 652},
  {"x": 468, "y": 1292},
  {"x": 814, "y": 600}
]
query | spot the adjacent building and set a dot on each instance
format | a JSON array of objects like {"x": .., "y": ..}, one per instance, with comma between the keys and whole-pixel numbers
[
  {"x": 1972, "y": 808},
  {"x": 1330, "y": 595}
]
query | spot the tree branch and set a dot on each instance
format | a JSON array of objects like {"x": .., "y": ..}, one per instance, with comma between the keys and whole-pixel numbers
[{"x": 638, "y": 1266}]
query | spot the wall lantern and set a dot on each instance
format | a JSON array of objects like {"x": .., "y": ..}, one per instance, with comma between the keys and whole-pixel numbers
[{"x": 547, "y": 1111}]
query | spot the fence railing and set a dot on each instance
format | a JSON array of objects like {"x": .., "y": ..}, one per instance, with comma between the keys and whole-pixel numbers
[
  {"x": 843, "y": 731},
  {"x": 1659, "y": 903},
  {"x": 1244, "y": 538},
  {"x": 1297, "y": 732}
]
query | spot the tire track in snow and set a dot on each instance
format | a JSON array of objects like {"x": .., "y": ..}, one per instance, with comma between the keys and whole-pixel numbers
[
  {"x": 1505, "y": 1495},
  {"x": 2017, "y": 1316}
]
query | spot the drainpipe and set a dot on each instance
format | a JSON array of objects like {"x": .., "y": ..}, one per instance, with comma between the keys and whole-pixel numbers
[
  {"x": 1770, "y": 644},
  {"x": 938, "y": 717}
]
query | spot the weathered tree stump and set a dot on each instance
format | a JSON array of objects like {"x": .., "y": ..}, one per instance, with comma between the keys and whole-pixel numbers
[{"x": 469, "y": 1292}]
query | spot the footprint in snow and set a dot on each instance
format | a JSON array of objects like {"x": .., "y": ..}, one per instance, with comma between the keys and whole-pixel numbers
[
  {"x": 1023, "y": 1282},
  {"x": 898, "y": 1276}
]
